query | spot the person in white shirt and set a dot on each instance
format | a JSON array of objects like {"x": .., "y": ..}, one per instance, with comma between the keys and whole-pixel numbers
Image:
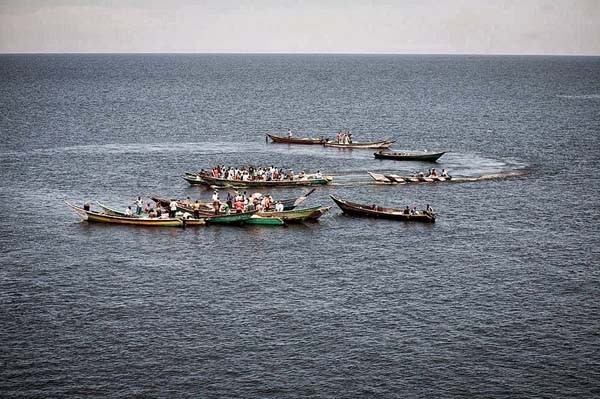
[
  {"x": 216, "y": 202},
  {"x": 138, "y": 205},
  {"x": 279, "y": 207},
  {"x": 172, "y": 208},
  {"x": 128, "y": 211}
]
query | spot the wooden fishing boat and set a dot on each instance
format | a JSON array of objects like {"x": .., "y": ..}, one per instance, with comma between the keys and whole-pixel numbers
[
  {"x": 231, "y": 218},
  {"x": 296, "y": 140},
  {"x": 97, "y": 217},
  {"x": 264, "y": 221},
  {"x": 194, "y": 222},
  {"x": 298, "y": 215},
  {"x": 409, "y": 156},
  {"x": 393, "y": 178},
  {"x": 358, "y": 145},
  {"x": 209, "y": 180},
  {"x": 376, "y": 211}
]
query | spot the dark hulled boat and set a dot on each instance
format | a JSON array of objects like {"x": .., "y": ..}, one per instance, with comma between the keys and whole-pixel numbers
[
  {"x": 296, "y": 140},
  {"x": 409, "y": 156},
  {"x": 375, "y": 211}
]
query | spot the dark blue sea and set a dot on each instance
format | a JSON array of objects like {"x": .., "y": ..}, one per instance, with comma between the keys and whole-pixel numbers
[{"x": 500, "y": 298}]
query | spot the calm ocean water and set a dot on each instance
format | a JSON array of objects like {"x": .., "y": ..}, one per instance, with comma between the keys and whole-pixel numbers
[{"x": 500, "y": 298}]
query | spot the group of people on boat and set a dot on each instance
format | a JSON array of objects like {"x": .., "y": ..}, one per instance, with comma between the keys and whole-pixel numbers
[
  {"x": 252, "y": 173},
  {"x": 413, "y": 211},
  {"x": 237, "y": 202},
  {"x": 344, "y": 137},
  {"x": 242, "y": 202},
  {"x": 433, "y": 173}
]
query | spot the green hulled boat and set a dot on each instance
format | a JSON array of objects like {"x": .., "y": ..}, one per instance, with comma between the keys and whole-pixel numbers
[
  {"x": 298, "y": 215},
  {"x": 264, "y": 221},
  {"x": 232, "y": 218}
]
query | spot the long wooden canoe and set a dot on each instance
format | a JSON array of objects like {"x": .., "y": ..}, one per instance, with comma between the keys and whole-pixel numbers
[
  {"x": 97, "y": 217},
  {"x": 393, "y": 178},
  {"x": 358, "y": 145},
  {"x": 208, "y": 180},
  {"x": 296, "y": 140},
  {"x": 409, "y": 156},
  {"x": 375, "y": 211},
  {"x": 298, "y": 215}
]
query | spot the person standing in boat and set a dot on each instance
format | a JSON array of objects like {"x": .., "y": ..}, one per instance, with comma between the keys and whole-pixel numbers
[
  {"x": 216, "y": 202},
  {"x": 290, "y": 133},
  {"x": 196, "y": 208},
  {"x": 138, "y": 206},
  {"x": 172, "y": 208}
]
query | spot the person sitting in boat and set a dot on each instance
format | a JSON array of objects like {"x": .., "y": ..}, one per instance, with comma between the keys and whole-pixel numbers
[
  {"x": 444, "y": 173},
  {"x": 239, "y": 206},
  {"x": 152, "y": 213},
  {"x": 278, "y": 207},
  {"x": 158, "y": 211},
  {"x": 349, "y": 137},
  {"x": 266, "y": 202},
  {"x": 301, "y": 175},
  {"x": 421, "y": 174},
  {"x": 128, "y": 211},
  {"x": 290, "y": 133},
  {"x": 147, "y": 208},
  {"x": 225, "y": 209},
  {"x": 318, "y": 175},
  {"x": 434, "y": 172},
  {"x": 429, "y": 209},
  {"x": 86, "y": 206},
  {"x": 338, "y": 138},
  {"x": 407, "y": 210}
]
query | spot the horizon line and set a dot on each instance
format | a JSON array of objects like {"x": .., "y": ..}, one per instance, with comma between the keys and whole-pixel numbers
[{"x": 290, "y": 53}]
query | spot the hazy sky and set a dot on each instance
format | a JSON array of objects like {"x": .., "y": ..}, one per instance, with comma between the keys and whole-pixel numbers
[{"x": 288, "y": 26}]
